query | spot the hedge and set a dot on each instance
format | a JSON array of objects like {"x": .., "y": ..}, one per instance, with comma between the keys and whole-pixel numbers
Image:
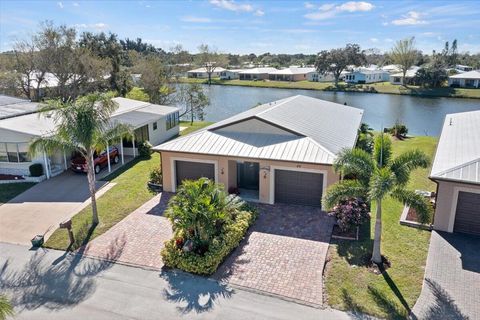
[{"x": 218, "y": 250}]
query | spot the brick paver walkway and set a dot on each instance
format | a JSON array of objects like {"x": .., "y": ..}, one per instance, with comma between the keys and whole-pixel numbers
[
  {"x": 141, "y": 235},
  {"x": 451, "y": 289},
  {"x": 283, "y": 254}
]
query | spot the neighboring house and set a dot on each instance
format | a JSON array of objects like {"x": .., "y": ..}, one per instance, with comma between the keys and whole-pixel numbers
[
  {"x": 463, "y": 68},
  {"x": 256, "y": 73},
  {"x": 470, "y": 79},
  {"x": 202, "y": 73},
  {"x": 392, "y": 68},
  {"x": 230, "y": 74},
  {"x": 397, "y": 78},
  {"x": 280, "y": 151},
  {"x": 153, "y": 123},
  {"x": 291, "y": 74},
  {"x": 456, "y": 170},
  {"x": 315, "y": 76},
  {"x": 14, "y": 107},
  {"x": 366, "y": 76},
  {"x": 136, "y": 79}
]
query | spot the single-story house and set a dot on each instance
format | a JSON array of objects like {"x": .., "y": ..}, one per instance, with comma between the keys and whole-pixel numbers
[
  {"x": 278, "y": 152},
  {"x": 14, "y": 107},
  {"x": 230, "y": 74},
  {"x": 397, "y": 78},
  {"x": 315, "y": 76},
  {"x": 456, "y": 170},
  {"x": 256, "y": 73},
  {"x": 291, "y": 74},
  {"x": 202, "y": 73},
  {"x": 392, "y": 68},
  {"x": 366, "y": 76},
  {"x": 463, "y": 68},
  {"x": 153, "y": 123},
  {"x": 470, "y": 79}
]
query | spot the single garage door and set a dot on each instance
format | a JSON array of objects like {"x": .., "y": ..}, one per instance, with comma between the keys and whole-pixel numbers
[
  {"x": 296, "y": 187},
  {"x": 187, "y": 170},
  {"x": 467, "y": 216}
]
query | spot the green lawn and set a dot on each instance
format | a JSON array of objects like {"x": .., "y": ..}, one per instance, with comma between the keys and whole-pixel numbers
[
  {"x": 351, "y": 286},
  {"x": 380, "y": 87},
  {"x": 11, "y": 190},
  {"x": 129, "y": 193}
]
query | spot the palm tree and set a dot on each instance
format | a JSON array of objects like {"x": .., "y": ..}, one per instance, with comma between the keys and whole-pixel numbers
[
  {"x": 375, "y": 176},
  {"x": 83, "y": 126},
  {"x": 5, "y": 308}
]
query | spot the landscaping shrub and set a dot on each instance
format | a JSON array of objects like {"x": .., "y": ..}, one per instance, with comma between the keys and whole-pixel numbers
[
  {"x": 36, "y": 169},
  {"x": 145, "y": 149},
  {"x": 350, "y": 213},
  {"x": 156, "y": 176},
  {"x": 208, "y": 224},
  {"x": 399, "y": 130}
]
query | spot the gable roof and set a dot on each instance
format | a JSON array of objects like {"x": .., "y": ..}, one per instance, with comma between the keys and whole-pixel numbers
[
  {"x": 204, "y": 70},
  {"x": 258, "y": 70},
  {"x": 475, "y": 74},
  {"x": 315, "y": 131},
  {"x": 458, "y": 151}
]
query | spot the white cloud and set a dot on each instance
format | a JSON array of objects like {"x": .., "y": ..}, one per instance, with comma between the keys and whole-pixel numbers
[
  {"x": 374, "y": 40},
  {"x": 328, "y": 10},
  {"x": 60, "y": 5},
  {"x": 309, "y": 5},
  {"x": 259, "y": 13},
  {"x": 409, "y": 19},
  {"x": 196, "y": 19},
  {"x": 97, "y": 26},
  {"x": 384, "y": 23},
  {"x": 231, "y": 5},
  {"x": 76, "y": 4}
]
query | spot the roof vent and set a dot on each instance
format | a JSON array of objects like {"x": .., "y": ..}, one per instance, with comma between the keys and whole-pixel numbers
[{"x": 451, "y": 121}]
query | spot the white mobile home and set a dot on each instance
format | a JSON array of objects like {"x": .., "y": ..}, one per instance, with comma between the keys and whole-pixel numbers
[
  {"x": 203, "y": 74},
  {"x": 397, "y": 78},
  {"x": 366, "y": 76},
  {"x": 470, "y": 79},
  {"x": 230, "y": 74}
]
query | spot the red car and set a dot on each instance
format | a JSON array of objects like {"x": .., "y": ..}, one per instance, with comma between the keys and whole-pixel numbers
[{"x": 78, "y": 163}]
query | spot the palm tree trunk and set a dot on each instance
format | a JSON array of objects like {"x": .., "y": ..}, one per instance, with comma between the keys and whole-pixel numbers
[
  {"x": 377, "y": 255},
  {"x": 91, "y": 186}
]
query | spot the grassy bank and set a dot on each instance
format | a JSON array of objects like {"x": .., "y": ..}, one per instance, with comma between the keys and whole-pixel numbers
[
  {"x": 381, "y": 87},
  {"x": 129, "y": 193},
  {"x": 351, "y": 286},
  {"x": 9, "y": 191}
]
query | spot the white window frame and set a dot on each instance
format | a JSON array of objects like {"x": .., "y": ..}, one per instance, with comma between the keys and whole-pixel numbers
[
  {"x": 299, "y": 169},
  {"x": 173, "y": 169},
  {"x": 453, "y": 210}
]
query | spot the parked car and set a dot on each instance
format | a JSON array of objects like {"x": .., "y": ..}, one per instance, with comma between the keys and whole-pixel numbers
[{"x": 78, "y": 163}]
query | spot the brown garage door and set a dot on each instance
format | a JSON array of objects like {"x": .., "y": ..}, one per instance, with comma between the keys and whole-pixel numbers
[
  {"x": 467, "y": 216},
  {"x": 187, "y": 170},
  {"x": 296, "y": 187}
]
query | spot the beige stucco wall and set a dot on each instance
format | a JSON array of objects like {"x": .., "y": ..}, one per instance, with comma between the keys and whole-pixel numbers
[
  {"x": 227, "y": 165},
  {"x": 447, "y": 203}
]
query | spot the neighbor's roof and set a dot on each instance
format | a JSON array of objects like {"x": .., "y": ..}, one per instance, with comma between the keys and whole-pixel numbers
[
  {"x": 293, "y": 70},
  {"x": 458, "y": 151},
  {"x": 410, "y": 73},
  {"x": 132, "y": 112},
  {"x": 258, "y": 70},
  {"x": 310, "y": 130},
  {"x": 14, "y": 107},
  {"x": 475, "y": 74},
  {"x": 203, "y": 69}
]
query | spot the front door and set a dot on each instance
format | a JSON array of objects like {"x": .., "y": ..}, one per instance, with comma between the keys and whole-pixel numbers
[{"x": 247, "y": 175}]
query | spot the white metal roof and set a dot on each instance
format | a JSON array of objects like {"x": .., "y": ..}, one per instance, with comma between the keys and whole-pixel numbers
[
  {"x": 311, "y": 130},
  {"x": 133, "y": 112},
  {"x": 204, "y": 70},
  {"x": 13, "y": 107},
  {"x": 475, "y": 74},
  {"x": 293, "y": 70},
  {"x": 258, "y": 71},
  {"x": 458, "y": 151}
]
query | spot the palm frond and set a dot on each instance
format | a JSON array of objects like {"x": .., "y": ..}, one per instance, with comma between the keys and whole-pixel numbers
[
  {"x": 343, "y": 190},
  {"x": 50, "y": 144},
  {"x": 415, "y": 201},
  {"x": 355, "y": 162},
  {"x": 382, "y": 182},
  {"x": 408, "y": 161},
  {"x": 382, "y": 150}
]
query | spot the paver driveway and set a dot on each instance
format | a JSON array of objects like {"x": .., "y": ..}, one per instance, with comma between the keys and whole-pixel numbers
[
  {"x": 141, "y": 235},
  {"x": 283, "y": 254},
  {"x": 451, "y": 289}
]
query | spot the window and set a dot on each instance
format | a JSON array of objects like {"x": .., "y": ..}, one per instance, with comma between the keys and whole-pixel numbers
[
  {"x": 14, "y": 152},
  {"x": 155, "y": 126},
  {"x": 172, "y": 120},
  {"x": 3, "y": 152}
]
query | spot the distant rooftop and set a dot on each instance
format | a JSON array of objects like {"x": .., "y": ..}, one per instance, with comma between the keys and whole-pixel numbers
[
  {"x": 475, "y": 74},
  {"x": 14, "y": 107}
]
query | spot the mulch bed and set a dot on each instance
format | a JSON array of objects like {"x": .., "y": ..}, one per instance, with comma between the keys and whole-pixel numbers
[
  {"x": 412, "y": 215},
  {"x": 10, "y": 177}
]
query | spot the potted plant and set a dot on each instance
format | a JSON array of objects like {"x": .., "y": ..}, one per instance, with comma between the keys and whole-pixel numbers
[{"x": 156, "y": 180}]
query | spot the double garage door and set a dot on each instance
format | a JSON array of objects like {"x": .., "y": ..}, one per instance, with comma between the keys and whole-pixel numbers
[
  {"x": 467, "y": 216},
  {"x": 298, "y": 187}
]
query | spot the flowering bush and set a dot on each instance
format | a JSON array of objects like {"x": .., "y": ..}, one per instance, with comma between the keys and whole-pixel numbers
[{"x": 350, "y": 213}]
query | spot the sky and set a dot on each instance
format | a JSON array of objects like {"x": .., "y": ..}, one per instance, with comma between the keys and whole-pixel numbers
[{"x": 242, "y": 27}]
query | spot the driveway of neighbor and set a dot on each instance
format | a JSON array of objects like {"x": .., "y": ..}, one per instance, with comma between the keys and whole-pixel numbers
[
  {"x": 451, "y": 288},
  {"x": 283, "y": 254},
  {"x": 41, "y": 208},
  {"x": 141, "y": 235}
]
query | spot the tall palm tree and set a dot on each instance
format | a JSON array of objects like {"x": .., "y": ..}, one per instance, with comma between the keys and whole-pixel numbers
[
  {"x": 375, "y": 176},
  {"x": 83, "y": 126}
]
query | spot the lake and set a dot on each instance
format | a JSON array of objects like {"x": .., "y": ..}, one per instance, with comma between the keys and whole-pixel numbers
[{"x": 422, "y": 116}]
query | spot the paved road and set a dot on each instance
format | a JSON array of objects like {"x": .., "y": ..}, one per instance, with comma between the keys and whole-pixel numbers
[
  {"x": 451, "y": 289},
  {"x": 41, "y": 208},
  {"x": 48, "y": 284}
]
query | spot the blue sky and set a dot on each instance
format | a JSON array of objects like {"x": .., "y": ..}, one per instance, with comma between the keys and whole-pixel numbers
[{"x": 256, "y": 26}]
